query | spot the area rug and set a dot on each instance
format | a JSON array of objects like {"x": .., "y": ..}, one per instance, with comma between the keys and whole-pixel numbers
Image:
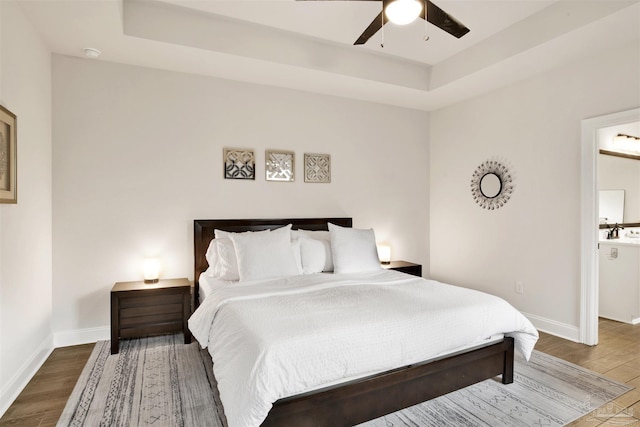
[{"x": 159, "y": 381}]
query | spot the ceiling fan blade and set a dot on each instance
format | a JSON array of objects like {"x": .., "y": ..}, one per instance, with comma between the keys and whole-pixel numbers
[
  {"x": 373, "y": 28},
  {"x": 443, "y": 20}
]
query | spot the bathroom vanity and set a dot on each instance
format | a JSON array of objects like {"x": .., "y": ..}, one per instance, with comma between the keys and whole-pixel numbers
[{"x": 619, "y": 278}]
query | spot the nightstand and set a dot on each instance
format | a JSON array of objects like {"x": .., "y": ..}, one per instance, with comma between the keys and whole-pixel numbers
[
  {"x": 140, "y": 309},
  {"x": 405, "y": 267}
]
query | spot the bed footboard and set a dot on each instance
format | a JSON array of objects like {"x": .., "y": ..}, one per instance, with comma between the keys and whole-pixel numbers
[{"x": 372, "y": 397}]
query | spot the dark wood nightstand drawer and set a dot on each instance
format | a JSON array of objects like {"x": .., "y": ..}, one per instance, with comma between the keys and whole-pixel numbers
[
  {"x": 139, "y": 309},
  {"x": 150, "y": 310},
  {"x": 134, "y": 321},
  {"x": 139, "y": 301},
  {"x": 151, "y": 329}
]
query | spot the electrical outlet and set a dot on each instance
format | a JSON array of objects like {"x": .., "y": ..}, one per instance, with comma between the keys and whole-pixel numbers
[{"x": 519, "y": 287}]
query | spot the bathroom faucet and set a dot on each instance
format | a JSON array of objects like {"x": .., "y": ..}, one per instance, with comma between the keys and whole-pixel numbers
[{"x": 614, "y": 232}]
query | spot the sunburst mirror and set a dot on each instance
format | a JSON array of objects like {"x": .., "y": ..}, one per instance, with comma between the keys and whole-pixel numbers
[{"x": 492, "y": 184}]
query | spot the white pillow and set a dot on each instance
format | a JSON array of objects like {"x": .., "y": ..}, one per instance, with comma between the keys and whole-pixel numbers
[
  {"x": 262, "y": 255},
  {"x": 212, "y": 258},
  {"x": 313, "y": 255},
  {"x": 354, "y": 250},
  {"x": 313, "y": 234},
  {"x": 221, "y": 255},
  {"x": 297, "y": 255},
  {"x": 222, "y": 234},
  {"x": 325, "y": 238},
  {"x": 227, "y": 265},
  {"x": 225, "y": 268}
]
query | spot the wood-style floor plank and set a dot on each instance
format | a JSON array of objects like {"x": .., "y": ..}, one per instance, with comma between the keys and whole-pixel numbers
[
  {"x": 617, "y": 356},
  {"x": 41, "y": 402}
]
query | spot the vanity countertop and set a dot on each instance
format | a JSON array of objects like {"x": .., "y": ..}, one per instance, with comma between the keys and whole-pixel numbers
[{"x": 622, "y": 241}]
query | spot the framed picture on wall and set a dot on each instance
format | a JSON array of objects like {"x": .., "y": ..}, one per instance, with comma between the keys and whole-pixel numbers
[
  {"x": 280, "y": 166},
  {"x": 239, "y": 163},
  {"x": 317, "y": 168},
  {"x": 8, "y": 157}
]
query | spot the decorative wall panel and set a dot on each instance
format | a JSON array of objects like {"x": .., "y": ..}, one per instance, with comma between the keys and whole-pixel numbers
[
  {"x": 239, "y": 163},
  {"x": 317, "y": 168},
  {"x": 280, "y": 165}
]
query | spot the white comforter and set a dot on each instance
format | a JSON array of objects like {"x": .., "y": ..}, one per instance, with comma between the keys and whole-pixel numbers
[{"x": 277, "y": 338}]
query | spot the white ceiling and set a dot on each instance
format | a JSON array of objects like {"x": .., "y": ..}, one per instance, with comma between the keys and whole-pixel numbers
[
  {"x": 344, "y": 21},
  {"x": 308, "y": 45}
]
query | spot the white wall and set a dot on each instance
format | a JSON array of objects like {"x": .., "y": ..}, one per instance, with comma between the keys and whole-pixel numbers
[
  {"x": 535, "y": 238},
  {"x": 26, "y": 244},
  {"x": 138, "y": 156}
]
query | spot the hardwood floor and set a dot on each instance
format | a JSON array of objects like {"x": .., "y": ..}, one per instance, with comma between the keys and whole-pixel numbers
[
  {"x": 617, "y": 356},
  {"x": 42, "y": 400}
]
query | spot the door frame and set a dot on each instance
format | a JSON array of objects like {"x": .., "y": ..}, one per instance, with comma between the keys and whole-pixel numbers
[{"x": 589, "y": 287}]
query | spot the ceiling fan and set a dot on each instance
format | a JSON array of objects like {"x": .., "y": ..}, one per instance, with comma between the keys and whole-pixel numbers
[{"x": 405, "y": 11}]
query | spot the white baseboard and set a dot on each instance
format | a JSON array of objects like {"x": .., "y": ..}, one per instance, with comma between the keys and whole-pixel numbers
[
  {"x": 553, "y": 327},
  {"x": 81, "y": 336},
  {"x": 22, "y": 377},
  {"x": 633, "y": 321}
]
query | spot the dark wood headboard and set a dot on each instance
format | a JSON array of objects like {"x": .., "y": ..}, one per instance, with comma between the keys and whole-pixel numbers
[{"x": 203, "y": 233}]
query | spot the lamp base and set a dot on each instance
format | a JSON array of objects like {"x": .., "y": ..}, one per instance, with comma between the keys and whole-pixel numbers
[{"x": 149, "y": 281}]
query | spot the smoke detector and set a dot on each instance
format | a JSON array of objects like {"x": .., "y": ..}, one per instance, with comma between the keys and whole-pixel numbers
[{"x": 91, "y": 53}]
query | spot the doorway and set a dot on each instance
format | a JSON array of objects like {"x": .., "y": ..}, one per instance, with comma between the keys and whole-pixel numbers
[{"x": 589, "y": 289}]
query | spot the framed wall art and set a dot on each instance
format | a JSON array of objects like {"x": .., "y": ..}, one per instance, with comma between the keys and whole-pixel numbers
[
  {"x": 492, "y": 184},
  {"x": 8, "y": 157},
  {"x": 239, "y": 163},
  {"x": 280, "y": 165},
  {"x": 317, "y": 168}
]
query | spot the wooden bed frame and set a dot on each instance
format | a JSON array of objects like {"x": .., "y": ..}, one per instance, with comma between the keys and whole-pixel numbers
[{"x": 364, "y": 399}]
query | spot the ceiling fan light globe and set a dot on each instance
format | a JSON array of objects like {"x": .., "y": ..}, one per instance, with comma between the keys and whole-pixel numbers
[{"x": 403, "y": 12}]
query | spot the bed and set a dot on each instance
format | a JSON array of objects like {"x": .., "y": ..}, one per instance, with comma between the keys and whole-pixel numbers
[{"x": 357, "y": 399}]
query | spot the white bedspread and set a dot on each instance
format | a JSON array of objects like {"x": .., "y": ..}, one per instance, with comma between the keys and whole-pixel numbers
[{"x": 277, "y": 338}]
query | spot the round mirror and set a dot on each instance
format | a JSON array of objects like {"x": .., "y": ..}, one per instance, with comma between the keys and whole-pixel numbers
[{"x": 490, "y": 185}]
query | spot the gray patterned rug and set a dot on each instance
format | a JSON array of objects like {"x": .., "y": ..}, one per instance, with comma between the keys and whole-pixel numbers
[{"x": 161, "y": 382}]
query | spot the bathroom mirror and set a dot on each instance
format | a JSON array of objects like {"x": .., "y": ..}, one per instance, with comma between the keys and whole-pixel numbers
[
  {"x": 492, "y": 184},
  {"x": 611, "y": 206}
]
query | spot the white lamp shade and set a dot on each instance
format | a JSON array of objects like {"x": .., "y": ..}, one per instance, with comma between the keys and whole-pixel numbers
[
  {"x": 403, "y": 12},
  {"x": 384, "y": 253},
  {"x": 151, "y": 269}
]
